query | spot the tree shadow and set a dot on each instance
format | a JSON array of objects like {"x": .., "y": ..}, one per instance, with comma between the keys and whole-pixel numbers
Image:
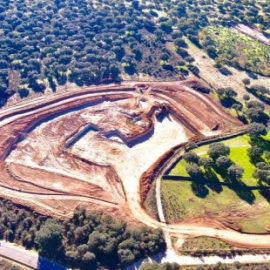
[
  {"x": 237, "y": 185},
  {"x": 216, "y": 187},
  {"x": 244, "y": 193},
  {"x": 242, "y": 118},
  {"x": 255, "y": 160},
  {"x": 162, "y": 115},
  {"x": 260, "y": 142},
  {"x": 199, "y": 189},
  {"x": 222, "y": 172},
  {"x": 266, "y": 194},
  {"x": 224, "y": 71},
  {"x": 228, "y": 102},
  {"x": 130, "y": 70},
  {"x": 213, "y": 181},
  {"x": 44, "y": 264},
  {"x": 252, "y": 75}
]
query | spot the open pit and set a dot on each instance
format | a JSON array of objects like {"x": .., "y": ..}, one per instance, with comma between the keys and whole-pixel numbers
[{"x": 90, "y": 146}]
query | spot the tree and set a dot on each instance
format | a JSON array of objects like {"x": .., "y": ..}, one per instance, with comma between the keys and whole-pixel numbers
[
  {"x": 49, "y": 237},
  {"x": 262, "y": 172},
  {"x": 223, "y": 162},
  {"x": 191, "y": 145},
  {"x": 257, "y": 115},
  {"x": 237, "y": 106},
  {"x": 246, "y": 81},
  {"x": 149, "y": 266},
  {"x": 169, "y": 266},
  {"x": 191, "y": 157},
  {"x": 256, "y": 130},
  {"x": 226, "y": 93},
  {"x": 162, "y": 266},
  {"x": 72, "y": 257},
  {"x": 179, "y": 42},
  {"x": 211, "y": 51},
  {"x": 235, "y": 172},
  {"x": 267, "y": 154},
  {"x": 89, "y": 260},
  {"x": 82, "y": 249},
  {"x": 126, "y": 256},
  {"x": 255, "y": 152},
  {"x": 194, "y": 171},
  {"x": 237, "y": 265},
  {"x": 206, "y": 162},
  {"x": 218, "y": 149},
  {"x": 255, "y": 104},
  {"x": 166, "y": 28},
  {"x": 246, "y": 97}
]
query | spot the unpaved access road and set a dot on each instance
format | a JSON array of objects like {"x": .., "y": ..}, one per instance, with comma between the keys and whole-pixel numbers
[{"x": 28, "y": 258}]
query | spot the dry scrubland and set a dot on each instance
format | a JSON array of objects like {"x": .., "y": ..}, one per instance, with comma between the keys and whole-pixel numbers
[{"x": 212, "y": 76}]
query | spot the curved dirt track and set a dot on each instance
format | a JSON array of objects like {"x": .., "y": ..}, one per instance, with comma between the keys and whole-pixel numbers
[{"x": 131, "y": 183}]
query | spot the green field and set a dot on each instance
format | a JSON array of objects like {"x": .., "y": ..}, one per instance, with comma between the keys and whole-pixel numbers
[
  {"x": 238, "y": 154},
  {"x": 237, "y": 49},
  {"x": 239, "y": 208}
]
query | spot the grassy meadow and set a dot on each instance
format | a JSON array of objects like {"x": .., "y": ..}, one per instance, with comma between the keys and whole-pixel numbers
[{"x": 242, "y": 209}]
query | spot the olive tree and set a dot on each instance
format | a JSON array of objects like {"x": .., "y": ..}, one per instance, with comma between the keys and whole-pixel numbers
[
  {"x": 235, "y": 171},
  {"x": 218, "y": 149}
]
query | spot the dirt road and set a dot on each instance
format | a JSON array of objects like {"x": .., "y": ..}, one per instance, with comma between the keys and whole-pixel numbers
[
  {"x": 28, "y": 258},
  {"x": 187, "y": 260}
]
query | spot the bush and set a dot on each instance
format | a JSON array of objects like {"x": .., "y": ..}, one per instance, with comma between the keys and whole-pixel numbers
[
  {"x": 246, "y": 97},
  {"x": 246, "y": 81}
]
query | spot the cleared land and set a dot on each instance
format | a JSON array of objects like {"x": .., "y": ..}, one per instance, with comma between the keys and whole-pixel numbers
[
  {"x": 90, "y": 147},
  {"x": 243, "y": 209}
]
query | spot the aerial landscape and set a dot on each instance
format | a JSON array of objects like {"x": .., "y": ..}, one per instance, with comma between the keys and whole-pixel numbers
[{"x": 135, "y": 134}]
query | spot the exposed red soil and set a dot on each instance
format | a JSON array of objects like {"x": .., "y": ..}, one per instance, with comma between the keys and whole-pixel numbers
[
  {"x": 40, "y": 164},
  {"x": 204, "y": 221}
]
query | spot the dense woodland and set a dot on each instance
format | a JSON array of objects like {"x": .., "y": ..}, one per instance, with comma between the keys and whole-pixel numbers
[
  {"x": 44, "y": 44},
  {"x": 88, "y": 240}
]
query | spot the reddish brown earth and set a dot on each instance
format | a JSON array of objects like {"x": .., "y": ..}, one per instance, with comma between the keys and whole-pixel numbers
[{"x": 90, "y": 146}]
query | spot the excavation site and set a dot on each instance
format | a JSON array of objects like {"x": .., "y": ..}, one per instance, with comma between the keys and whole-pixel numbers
[{"x": 91, "y": 146}]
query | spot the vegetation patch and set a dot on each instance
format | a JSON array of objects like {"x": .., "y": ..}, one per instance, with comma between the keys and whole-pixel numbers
[
  {"x": 150, "y": 203},
  {"x": 88, "y": 240},
  {"x": 207, "y": 246},
  {"x": 226, "y": 45}
]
